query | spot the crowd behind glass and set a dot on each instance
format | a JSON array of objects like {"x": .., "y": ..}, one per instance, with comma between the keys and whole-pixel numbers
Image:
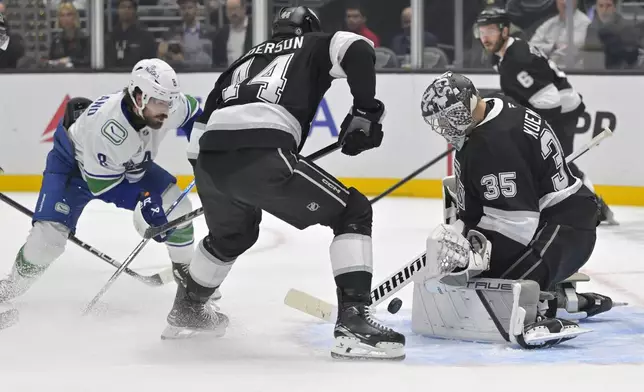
[{"x": 210, "y": 34}]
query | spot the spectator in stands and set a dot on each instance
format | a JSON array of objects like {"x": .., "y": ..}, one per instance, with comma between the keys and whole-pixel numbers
[
  {"x": 191, "y": 42},
  {"x": 11, "y": 45},
  {"x": 357, "y": 23},
  {"x": 78, "y": 4},
  {"x": 552, "y": 35},
  {"x": 129, "y": 42},
  {"x": 401, "y": 43},
  {"x": 69, "y": 47},
  {"x": 611, "y": 33},
  {"x": 235, "y": 38}
]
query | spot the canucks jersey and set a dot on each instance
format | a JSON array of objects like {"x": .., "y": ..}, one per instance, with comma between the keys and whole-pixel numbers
[
  {"x": 269, "y": 96},
  {"x": 109, "y": 150},
  {"x": 532, "y": 79},
  {"x": 511, "y": 176}
]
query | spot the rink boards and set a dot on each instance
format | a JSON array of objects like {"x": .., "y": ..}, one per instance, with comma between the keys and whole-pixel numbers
[{"x": 32, "y": 105}]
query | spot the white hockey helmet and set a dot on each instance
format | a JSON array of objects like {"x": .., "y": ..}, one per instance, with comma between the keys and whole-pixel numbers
[{"x": 156, "y": 79}]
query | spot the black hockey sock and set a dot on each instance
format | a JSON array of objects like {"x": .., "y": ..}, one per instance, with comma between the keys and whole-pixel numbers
[
  {"x": 197, "y": 292},
  {"x": 354, "y": 286}
]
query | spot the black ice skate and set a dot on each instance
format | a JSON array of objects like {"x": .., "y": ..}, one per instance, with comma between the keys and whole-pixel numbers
[
  {"x": 605, "y": 213},
  {"x": 180, "y": 274},
  {"x": 571, "y": 305},
  {"x": 191, "y": 315},
  {"x": 594, "y": 303},
  {"x": 359, "y": 336}
]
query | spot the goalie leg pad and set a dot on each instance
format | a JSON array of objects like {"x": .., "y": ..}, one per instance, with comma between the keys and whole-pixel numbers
[{"x": 487, "y": 310}]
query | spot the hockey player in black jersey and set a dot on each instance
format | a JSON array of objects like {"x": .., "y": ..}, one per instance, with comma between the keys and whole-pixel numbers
[
  {"x": 513, "y": 185},
  {"x": 245, "y": 154},
  {"x": 536, "y": 82}
]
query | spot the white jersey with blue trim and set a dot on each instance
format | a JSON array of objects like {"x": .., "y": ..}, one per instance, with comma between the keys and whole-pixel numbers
[{"x": 107, "y": 147}]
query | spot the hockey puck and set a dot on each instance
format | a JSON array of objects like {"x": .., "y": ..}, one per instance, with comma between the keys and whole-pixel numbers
[{"x": 394, "y": 306}]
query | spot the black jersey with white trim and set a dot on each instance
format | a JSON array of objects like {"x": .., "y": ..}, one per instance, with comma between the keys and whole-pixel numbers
[
  {"x": 269, "y": 96},
  {"x": 536, "y": 82},
  {"x": 511, "y": 175}
]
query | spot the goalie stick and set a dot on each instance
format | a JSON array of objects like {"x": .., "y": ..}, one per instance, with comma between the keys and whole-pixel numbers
[
  {"x": 158, "y": 279},
  {"x": 134, "y": 253},
  {"x": 318, "y": 308}
]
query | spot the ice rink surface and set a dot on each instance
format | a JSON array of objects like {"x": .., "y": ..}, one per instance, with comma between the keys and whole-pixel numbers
[{"x": 270, "y": 347}]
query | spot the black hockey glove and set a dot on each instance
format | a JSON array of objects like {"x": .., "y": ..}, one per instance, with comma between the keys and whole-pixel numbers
[{"x": 361, "y": 130}]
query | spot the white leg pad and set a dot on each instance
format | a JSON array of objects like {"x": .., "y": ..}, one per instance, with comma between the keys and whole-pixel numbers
[
  {"x": 208, "y": 270},
  {"x": 486, "y": 310},
  {"x": 350, "y": 253}
]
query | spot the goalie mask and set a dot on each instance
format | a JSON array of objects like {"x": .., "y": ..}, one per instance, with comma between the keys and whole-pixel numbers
[{"x": 447, "y": 107}]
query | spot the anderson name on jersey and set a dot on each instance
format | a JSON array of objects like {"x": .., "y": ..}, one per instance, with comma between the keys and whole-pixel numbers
[
  {"x": 275, "y": 107},
  {"x": 109, "y": 149}
]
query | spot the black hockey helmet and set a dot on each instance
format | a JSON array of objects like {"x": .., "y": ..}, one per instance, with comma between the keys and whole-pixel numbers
[
  {"x": 74, "y": 108},
  {"x": 296, "y": 21},
  {"x": 495, "y": 15},
  {"x": 447, "y": 106}
]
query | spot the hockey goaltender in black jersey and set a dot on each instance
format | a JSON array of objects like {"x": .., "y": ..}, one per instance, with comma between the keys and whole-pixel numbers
[
  {"x": 528, "y": 76},
  {"x": 514, "y": 186},
  {"x": 245, "y": 153}
]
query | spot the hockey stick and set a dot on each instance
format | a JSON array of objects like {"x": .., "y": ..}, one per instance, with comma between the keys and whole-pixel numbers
[
  {"x": 412, "y": 175},
  {"x": 134, "y": 253},
  {"x": 151, "y": 232},
  {"x": 158, "y": 279},
  {"x": 395, "y": 282}
]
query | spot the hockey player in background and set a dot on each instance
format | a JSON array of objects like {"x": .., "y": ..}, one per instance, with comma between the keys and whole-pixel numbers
[
  {"x": 529, "y": 77},
  {"x": 245, "y": 151},
  {"x": 104, "y": 150},
  {"x": 512, "y": 184}
]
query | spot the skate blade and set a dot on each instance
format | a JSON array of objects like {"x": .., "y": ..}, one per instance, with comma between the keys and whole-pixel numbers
[
  {"x": 178, "y": 333},
  {"x": 540, "y": 338},
  {"x": 8, "y": 318},
  {"x": 353, "y": 349}
]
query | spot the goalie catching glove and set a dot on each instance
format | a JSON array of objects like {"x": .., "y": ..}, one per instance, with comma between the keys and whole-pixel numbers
[
  {"x": 361, "y": 129},
  {"x": 451, "y": 253}
]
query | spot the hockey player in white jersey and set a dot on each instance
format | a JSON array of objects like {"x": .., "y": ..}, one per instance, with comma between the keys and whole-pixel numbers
[{"x": 106, "y": 152}]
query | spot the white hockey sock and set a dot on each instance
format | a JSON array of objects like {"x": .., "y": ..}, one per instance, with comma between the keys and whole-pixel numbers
[
  {"x": 181, "y": 245},
  {"x": 350, "y": 253},
  {"x": 45, "y": 243},
  {"x": 206, "y": 269}
]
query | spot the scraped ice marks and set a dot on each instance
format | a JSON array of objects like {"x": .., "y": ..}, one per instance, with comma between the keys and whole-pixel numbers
[
  {"x": 617, "y": 338},
  {"x": 8, "y": 316}
]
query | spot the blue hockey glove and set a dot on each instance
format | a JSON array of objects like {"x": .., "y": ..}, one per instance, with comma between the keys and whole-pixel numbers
[{"x": 151, "y": 206}]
